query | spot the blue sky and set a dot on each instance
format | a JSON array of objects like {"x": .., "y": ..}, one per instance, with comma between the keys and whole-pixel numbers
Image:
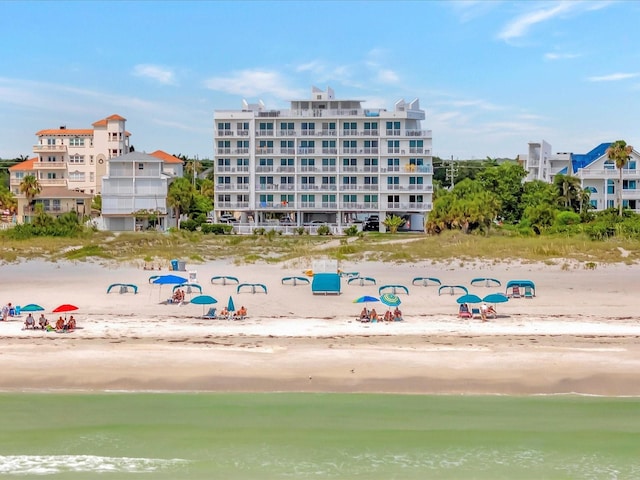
[{"x": 491, "y": 75}]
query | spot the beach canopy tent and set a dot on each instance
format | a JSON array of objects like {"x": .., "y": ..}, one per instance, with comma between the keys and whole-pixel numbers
[
  {"x": 452, "y": 289},
  {"x": 485, "y": 282},
  {"x": 425, "y": 281},
  {"x": 326, "y": 284},
  {"x": 123, "y": 287},
  {"x": 394, "y": 289},
  {"x": 254, "y": 287},
  {"x": 224, "y": 279},
  {"x": 295, "y": 281},
  {"x": 520, "y": 285}
]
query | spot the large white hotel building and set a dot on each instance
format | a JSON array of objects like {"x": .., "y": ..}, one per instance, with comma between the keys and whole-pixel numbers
[{"x": 323, "y": 160}]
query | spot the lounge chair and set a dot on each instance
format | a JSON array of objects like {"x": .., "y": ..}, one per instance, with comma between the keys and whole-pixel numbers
[
  {"x": 528, "y": 292},
  {"x": 211, "y": 314},
  {"x": 515, "y": 292},
  {"x": 475, "y": 313}
]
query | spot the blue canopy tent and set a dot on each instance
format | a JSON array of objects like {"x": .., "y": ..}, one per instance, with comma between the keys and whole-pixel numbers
[
  {"x": 485, "y": 282},
  {"x": 123, "y": 287},
  {"x": 520, "y": 288}
]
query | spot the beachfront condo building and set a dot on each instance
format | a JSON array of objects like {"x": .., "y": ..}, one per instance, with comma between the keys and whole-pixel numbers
[
  {"x": 596, "y": 172},
  {"x": 322, "y": 160}
]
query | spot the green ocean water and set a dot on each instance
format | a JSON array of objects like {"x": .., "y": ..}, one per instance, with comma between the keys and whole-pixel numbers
[{"x": 317, "y": 436}]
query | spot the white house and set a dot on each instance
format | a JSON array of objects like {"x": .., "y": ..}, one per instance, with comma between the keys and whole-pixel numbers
[
  {"x": 134, "y": 193},
  {"x": 596, "y": 172}
]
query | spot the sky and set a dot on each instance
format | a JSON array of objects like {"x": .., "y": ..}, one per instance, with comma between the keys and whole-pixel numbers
[{"x": 491, "y": 76}]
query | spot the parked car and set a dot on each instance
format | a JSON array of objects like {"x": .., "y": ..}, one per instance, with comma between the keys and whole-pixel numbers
[{"x": 371, "y": 224}]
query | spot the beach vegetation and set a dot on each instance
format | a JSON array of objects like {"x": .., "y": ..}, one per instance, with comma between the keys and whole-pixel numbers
[
  {"x": 323, "y": 230},
  {"x": 620, "y": 153},
  {"x": 393, "y": 222}
]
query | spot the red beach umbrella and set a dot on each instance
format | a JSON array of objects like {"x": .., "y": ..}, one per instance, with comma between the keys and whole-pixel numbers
[{"x": 64, "y": 308}]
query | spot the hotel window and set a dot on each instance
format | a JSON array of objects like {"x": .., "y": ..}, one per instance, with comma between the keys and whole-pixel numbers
[
  {"x": 328, "y": 164},
  {"x": 393, "y": 128},
  {"x": 243, "y": 128},
  {"x": 51, "y": 141},
  {"x": 76, "y": 159},
  {"x": 631, "y": 165},
  {"x": 242, "y": 146},
  {"x": 416, "y": 198},
  {"x": 266, "y": 199},
  {"x": 371, "y": 199},
  {"x": 350, "y": 164},
  {"x": 329, "y": 146},
  {"x": 611, "y": 187},
  {"x": 265, "y": 180},
  {"x": 393, "y": 146},
  {"x": 371, "y": 180},
  {"x": 349, "y": 180},
  {"x": 393, "y": 181},
  {"x": 350, "y": 128},
  {"x": 224, "y": 198},
  {"x": 308, "y": 200},
  {"x": 328, "y": 200},
  {"x": 328, "y": 181},
  {"x": 328, "y": 128},
  {"x": 242, "y": 181},
  {"x": 287, "y": 146},
  {"x": 224, "y": 162},
  {"x": 141, "y": 166},
  {"x": 51, "y": 158},
  {"x": 349, "y": 198},
  {"x": 265, "y": 128},
  {"x": 308, "y": 164},
  {"x": 287, "y": 181},
  {"x": 224, "y": 128},
  {"x": 285, "y": 200},
  {"x": 416, "y": 180},
  {"x": 370, "y": 146},
  {"x": 224, "y": 180},
  {"x": 51, "y": 176},
  {"x": 266, "y": 162},
  {"x": 242, "y": 163},
  {"x": 393, "y": 164},
  {"x": 628, "y": 184},
  {"x": 265, "y": 146},
  {"x": 308, "y": 180},
  {"x": 371, "y": 128},
  {"x": 416, "y": 146},
  {"x": 349, "y": 146},
  {"x": 76, "y": 142},
  {"x": 308, "y": 128},
  {"x": 609, "y": 165},
  {"x": 287, "y": 162},
  {"x": 76, "y": 176}
]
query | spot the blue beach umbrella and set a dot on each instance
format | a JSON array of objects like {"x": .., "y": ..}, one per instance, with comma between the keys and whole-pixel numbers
[
  {"x": 390, "y": 300},
  {"x": 496, "y": 298},
  {"x": 469, "y": 298},
  {"x": 32, "y": 307},
  {"x": 203, "y": 300},
  {"x": 230, "y": 305},
  {"x": 170, "y": 280}
]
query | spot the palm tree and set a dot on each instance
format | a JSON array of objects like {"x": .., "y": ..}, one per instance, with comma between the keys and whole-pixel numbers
[
  {"x": 620, "y": 153},
  {"x": 30, "y": 187}
]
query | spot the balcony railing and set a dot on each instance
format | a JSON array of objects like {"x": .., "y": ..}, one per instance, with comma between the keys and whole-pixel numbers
[
  {"x": 49, "y": 148},
  {"x": 49, "y": 165}
]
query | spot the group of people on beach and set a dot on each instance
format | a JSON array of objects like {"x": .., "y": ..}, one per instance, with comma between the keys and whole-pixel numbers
[
  {"x": 43, "y": 324},
  {"x": 239, "y": 314},
  {"x": 178, "y": 296},
  {"x": 484, "y": 311},
  {"x": 373, "y": 317}
]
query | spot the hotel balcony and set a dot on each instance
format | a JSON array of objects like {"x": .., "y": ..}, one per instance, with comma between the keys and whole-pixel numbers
[
  {"x": 49, "y": 148},
  {"x": 608, "y": 173},
  {"x": 57, "y": 165}
]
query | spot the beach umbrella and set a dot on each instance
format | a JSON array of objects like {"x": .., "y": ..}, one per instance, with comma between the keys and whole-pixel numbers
[
  {"x": 496, "y": 298},
  {"x": 230, "y": 305},
  {"x": 32, "y": 307},
  {"x": 203, "y": 300},
  {"x": 64, "y": 308},
  {"x": 170, "y": 280},
  {"x": 469, "y": 298},
  {"x": 390, "y": 300},
  {"x": 366, "y": 299}
]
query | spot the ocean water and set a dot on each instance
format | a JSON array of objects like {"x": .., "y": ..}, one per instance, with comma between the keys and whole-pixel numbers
[{"x": 317, "y": 436}]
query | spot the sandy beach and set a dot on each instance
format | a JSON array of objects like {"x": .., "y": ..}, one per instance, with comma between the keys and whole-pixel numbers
[{"x": 578, "y": 335}]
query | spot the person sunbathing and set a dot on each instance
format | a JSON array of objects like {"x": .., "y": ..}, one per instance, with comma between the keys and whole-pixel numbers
[
  {"x": 224, "y": 313},
  {"x": 364, "y": 314},
  {"x": 388, "y": 316},
  {"x": 71, "y": 324},
  {"x": 373, "y": 315},
  {"x": 42, "y": 321},
  {"x": 60, "y": 324},
  {"x": 241, "y": 313},
  {"x": 397, "y": 315}
]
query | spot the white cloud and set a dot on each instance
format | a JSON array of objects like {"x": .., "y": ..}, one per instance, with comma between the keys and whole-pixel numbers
[
  {"x": 560, "y": 56},
  {"x": 468, "y": 10},
  {"x": 614, "y": 77},
  {"x": 521, "y": 25},
  {"x": 388, "y": 76},
  {"x": 155, "y": 72},
  {"x": 253, "y": 83}
]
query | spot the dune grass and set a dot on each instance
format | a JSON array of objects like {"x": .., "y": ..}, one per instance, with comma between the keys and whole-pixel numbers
[{"x": 397, "y": 248}]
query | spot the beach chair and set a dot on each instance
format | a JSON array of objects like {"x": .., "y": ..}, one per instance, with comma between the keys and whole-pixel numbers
[
  {"x": 515, "y": 292},
  {"x": 211, "y": 314},
  {"x": 475, "y": 313},
  {"x": 528, "y": 292}
]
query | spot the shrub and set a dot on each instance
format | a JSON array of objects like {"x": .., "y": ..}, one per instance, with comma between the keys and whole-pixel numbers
[
  {"x": 351, "y": 231},
  {"x": 324, "y": 230},
  {"x": 259, "y": 231},
  {"x": 217, "y": 228},
  {"x": 189, "y": 225}
]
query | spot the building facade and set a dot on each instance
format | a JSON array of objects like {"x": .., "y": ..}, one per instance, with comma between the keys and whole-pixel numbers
[
  {"x": 322, "y": 160},
  {"x": 134, "y": 193},
  {"x": 597, "y": 173}
]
